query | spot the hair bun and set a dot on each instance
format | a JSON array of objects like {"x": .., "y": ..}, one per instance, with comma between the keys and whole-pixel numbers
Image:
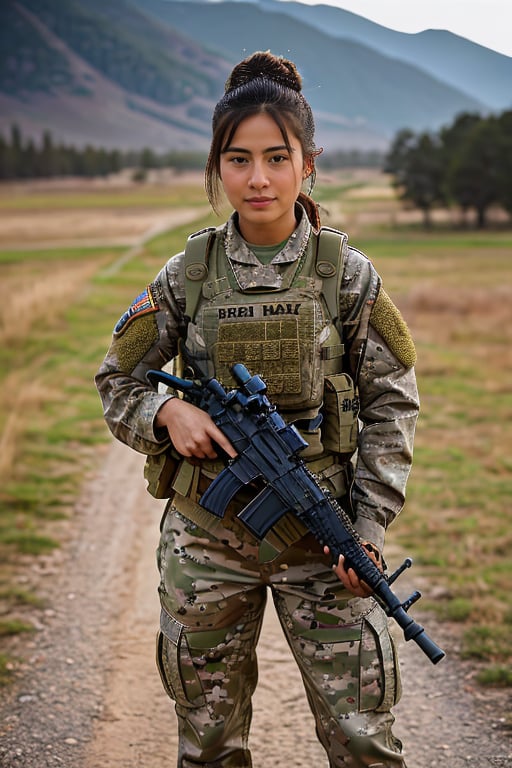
[{"x": 267, "y": 66}]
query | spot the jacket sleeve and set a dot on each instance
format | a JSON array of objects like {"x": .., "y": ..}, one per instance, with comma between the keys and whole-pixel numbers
[
  {"x": 382, "y": 357},
  {"x": 145, "y": 337}
]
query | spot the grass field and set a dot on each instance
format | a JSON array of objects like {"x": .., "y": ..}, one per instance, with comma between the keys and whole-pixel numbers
[{"x": 454, "y": 287}]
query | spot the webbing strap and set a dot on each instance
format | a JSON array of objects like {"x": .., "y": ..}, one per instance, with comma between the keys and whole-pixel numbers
[
  {"x": 197, "y": 251},
  {"x": 330, "y": 258}
]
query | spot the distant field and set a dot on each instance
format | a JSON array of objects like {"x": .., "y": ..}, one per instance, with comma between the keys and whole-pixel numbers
[
  {"x": 57, "y": 309},
  {"x": 93, "y": 212}
]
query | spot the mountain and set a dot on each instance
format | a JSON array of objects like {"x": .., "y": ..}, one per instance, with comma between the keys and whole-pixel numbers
[
  {"x": 104, "y": 74},
  {"x": 357, "y": 94},
  {"x": 134, "y": 73},
  {"x": 471, "y": 68}
]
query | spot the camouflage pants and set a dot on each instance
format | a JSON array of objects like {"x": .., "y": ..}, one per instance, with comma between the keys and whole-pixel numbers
[{"x": 214, "y": 582}]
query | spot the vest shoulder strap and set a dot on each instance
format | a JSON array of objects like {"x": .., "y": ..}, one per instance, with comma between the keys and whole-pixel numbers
[
  {"x": 197, "y": 253},
  {"x": 332, "y": 247},
  {"x": 331, "y": 251}
]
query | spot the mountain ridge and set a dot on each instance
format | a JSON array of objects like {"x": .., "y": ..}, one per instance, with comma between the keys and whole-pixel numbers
[
  {"x": 133, "y": 73},
  {"x": 464, "y": 64},
  {"x": 349, "y": 83}
]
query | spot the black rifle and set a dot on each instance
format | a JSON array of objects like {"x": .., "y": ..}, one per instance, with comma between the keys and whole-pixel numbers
[{"x": 268, "y": 451}]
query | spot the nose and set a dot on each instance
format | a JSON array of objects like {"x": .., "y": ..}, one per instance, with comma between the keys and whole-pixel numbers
[{"x": 258, "y": 178}]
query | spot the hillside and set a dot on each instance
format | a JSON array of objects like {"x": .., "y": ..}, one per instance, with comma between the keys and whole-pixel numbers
[
  {"x": 134, "y": 73},
  {"x": 104, "y": 73}
]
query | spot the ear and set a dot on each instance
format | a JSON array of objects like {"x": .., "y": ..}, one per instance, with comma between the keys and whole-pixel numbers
[
  {"x": 309, "y": 167},
  {"x": 309, "y": 163}
]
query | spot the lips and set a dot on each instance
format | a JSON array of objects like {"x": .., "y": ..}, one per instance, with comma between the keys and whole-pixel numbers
[{"x": 260, "y": 202}]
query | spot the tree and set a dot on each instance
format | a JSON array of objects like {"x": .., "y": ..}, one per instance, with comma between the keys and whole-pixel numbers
[
  {"x": 417, "y": 165},
  {"x": 472, "y": 177},
  {"x": 14, "y": 156},
  {"x": 454, "y": 135},
  {"x": 504, "y": 170},
  {"x": 395, "y": 161},
  {"x": 148, "y": 159},
  {"x": 47, "y": 156}
]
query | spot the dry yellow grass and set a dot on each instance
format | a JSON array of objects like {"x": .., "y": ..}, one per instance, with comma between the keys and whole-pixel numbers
[
  {"x": 31, "y": 295},
  {"x": 22, "y": 400},
  {"x": 38, "y": 228}
]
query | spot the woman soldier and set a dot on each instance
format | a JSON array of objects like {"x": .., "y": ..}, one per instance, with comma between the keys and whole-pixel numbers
[{"x": 259, "y": 291}]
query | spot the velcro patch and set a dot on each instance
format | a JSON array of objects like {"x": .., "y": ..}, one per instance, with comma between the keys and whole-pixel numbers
[
  {"x": 388, "y": 321},
  {"x": 144, "y": 303}
]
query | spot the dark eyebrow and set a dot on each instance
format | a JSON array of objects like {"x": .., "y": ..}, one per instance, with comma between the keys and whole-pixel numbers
[{"x": 242, "y": 151}]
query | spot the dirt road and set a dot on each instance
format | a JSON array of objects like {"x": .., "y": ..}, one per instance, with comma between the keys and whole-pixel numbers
[{"x": 89, "y": 695}]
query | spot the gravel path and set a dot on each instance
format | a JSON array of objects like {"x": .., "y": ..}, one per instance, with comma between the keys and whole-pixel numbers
[{"x": 89, "y": 695}]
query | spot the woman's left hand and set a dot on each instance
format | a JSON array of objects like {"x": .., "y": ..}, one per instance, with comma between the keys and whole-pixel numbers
[{"x": 349, "y": 578}]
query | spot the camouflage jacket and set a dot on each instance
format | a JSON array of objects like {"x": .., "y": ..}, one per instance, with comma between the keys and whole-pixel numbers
[{"x": 382, "y": 360}]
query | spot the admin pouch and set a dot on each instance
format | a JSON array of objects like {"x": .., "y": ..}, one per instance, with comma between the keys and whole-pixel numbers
[{"x": 160, "y": 472}]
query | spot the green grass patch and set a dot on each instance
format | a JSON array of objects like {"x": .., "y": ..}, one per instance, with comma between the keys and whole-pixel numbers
[
  {"x": 486, "y": 642},
  {"x": 46, "y": 255},
  {"x": 17, "y": 596},
  {"x": 326, "y": 194},
  {"x": 6, "y": 663},
  {"x": 458, "y": 609},
  {"x": 143, "y": 196},
  {"x": 423, "y": 244},
  {"x": 496, "y": 675},
  {"x": 14, "y": 627},
  {"x": 27, "y": 542}
]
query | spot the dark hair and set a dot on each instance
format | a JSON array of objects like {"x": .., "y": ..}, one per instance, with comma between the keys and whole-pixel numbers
[{"x": 271, "y": 84}]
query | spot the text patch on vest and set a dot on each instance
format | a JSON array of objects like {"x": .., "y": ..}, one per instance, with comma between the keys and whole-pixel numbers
[{"x": 278, "y": 340}]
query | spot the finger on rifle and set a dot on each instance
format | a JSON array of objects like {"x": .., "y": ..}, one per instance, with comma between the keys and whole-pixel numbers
[{"x": 222, "y": 441}]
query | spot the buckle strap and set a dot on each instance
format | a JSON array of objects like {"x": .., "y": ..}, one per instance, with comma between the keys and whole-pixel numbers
[
  {"x": 186, "y": 478},
  {"x": 330, "y": 352}
]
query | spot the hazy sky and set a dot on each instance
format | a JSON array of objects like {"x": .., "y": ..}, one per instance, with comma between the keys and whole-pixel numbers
[{"x": 487, "y": 22}]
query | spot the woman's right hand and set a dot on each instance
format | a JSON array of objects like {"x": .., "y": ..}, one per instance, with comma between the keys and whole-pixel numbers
[{"x": 191, "y": 430}]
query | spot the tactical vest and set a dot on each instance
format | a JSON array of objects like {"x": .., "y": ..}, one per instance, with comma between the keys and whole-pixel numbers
[{"x": 290, "y": 336}]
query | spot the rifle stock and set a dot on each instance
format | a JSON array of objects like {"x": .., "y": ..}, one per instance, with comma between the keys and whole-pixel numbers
[{"x": 268, "y": 451}]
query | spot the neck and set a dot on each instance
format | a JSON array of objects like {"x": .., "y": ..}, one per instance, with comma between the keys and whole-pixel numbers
[{"x": 268, "y": 234}]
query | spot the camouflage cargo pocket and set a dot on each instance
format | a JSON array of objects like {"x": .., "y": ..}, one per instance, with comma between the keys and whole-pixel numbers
[{"x": 175, "y": 664}]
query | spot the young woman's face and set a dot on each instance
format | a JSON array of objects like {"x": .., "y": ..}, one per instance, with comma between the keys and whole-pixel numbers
[{"x": 262, "y": 179}]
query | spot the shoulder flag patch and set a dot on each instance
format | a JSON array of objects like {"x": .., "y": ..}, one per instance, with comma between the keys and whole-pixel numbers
[{"x": 144, "y": 303}]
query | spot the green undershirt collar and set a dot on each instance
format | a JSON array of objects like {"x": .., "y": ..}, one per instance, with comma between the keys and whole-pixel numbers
[{"x": 265, "y": 253}]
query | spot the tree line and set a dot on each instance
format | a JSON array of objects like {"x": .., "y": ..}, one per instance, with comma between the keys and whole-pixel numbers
[
  {"x": 23, "y": 158},
  {"x": 467, "y": 164}
]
